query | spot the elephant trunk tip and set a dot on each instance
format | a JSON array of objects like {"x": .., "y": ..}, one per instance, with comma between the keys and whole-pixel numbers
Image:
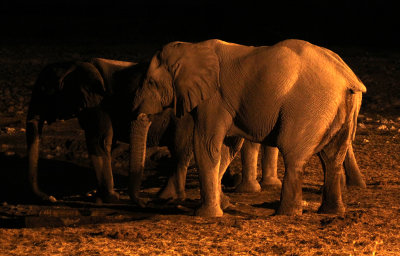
[{"x": 142, "y": 120}]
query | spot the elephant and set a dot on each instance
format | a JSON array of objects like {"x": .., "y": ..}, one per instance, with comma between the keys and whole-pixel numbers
[
  {"x": 298, "y": 97},
  {"x": 99, "y": 92}
]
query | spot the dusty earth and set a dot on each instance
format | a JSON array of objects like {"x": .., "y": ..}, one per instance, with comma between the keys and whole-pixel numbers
[{"x": 77, "y": 226}]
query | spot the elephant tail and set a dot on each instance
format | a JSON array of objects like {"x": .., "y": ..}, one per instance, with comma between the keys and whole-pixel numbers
[
  {"x": 357, "y": 98},
  {"x": 357, "y": 86}
]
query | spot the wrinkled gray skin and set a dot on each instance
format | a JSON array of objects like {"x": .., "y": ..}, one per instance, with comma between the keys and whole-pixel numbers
[
  {"x": 269, "y": 176},
  {"x": 100, "y": 93},
  {"x": 298, "y": 97}
]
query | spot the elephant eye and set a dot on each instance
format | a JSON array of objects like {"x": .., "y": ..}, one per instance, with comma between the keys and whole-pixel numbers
[{"x": 152, "y": 82}]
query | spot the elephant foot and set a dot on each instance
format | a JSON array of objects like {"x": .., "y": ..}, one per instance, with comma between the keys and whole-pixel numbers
[
  {"x": 332, "y": 208},
  {"x": 111, "y": 197},
  {"x": 209, "y": 211},
  {"x": 290, "y": 209},
  {"x": 271, "y": 183},
  {"x": 139, "y": 202},
  {"x": 44, "y": 198},
  {"x": 169, "y": 193},
  {"x": 225, "y": 201},
  {"x": 248, "y": 187}
]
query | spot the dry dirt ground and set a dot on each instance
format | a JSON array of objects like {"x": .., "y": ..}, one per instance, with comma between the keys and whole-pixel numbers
[{"x": 77, "y": 226}]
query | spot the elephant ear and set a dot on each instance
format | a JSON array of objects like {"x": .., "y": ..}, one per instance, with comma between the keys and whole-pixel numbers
[{"x": 195, "y": 74}]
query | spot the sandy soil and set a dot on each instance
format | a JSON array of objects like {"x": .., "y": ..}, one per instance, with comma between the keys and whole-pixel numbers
[{"x": 76, "y": 226}]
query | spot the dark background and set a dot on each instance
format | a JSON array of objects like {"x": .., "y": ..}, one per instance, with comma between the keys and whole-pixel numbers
[{"x": 358, "y": 23}]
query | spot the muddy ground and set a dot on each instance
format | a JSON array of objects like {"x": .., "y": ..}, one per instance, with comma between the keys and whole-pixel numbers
[{"x": 77, "y": 226}]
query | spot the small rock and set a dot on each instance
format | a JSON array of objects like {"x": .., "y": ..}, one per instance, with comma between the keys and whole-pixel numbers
[
  {"x": 11, "y": 109},
  {"x": 392, "y": 128},
  {"x": 4, "y": 147},
  {"x": 48, "y": 156},
  {"x": 365, "y": 140},
  {"x": 369, "y": 119},
  {"x": 10, "y": 130},
  {"x": 22, "y": 130},
  {"x": 384, "y": 121},
  {"x": 9, "y": 153},
  {"x": 361, "y": 125},
  {"x": 383, "y": 127}
]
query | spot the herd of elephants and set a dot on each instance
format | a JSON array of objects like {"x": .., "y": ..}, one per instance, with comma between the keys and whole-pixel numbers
[{"x": 210, "y": 100}]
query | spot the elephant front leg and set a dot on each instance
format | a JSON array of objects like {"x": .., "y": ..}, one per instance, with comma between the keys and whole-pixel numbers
[
  {"x": 209, "y": 133},
  {"x": 249, "y": 155},
  {"x": 105, "y": 181},
  {"x": 175, "y": 188},
  {"x": 269, "y": 165},
  {"x": 99, "y": 134},
  {"x": 208, "y": 154}
]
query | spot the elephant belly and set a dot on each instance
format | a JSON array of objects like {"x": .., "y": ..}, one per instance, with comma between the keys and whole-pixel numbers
[{"x": 256, "y": 127}]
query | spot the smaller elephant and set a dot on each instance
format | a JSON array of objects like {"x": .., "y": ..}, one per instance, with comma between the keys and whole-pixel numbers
[{"x": 269, "y": 178}]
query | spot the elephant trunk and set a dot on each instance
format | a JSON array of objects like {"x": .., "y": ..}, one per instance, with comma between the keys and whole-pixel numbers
[{"x": 138, "y": 139}]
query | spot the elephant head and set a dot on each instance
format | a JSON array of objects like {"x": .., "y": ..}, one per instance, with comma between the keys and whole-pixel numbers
[
  {"x": 61, "y": 91},
  {"x": 181, "y": 76}
]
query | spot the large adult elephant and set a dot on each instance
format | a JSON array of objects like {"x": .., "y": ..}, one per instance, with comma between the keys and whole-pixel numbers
[
  {"x": 298, "y": 97},
  {"x": 99, "y": 92}
]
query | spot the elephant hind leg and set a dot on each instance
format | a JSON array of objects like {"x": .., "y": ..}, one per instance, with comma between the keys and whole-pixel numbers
[
  {"x": 295, "y": 156},
  {"x": 291, "y": 194},
  {"x": 332, "y": 157}
]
